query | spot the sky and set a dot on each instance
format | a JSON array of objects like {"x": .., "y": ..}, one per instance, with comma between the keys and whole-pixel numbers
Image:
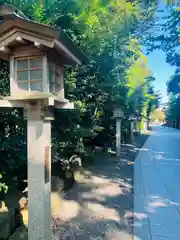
[
  {"x": 157, "y": 64},
  {"x": 161, "y": 71}
]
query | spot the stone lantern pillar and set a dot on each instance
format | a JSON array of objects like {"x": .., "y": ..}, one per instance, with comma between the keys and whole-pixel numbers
[
  {"x": 139, "y": 119},
  {"x": 145, "y": 125},
  {"x": 132, "y": 119},
  {"x": 36, "y": 53},
  {"x": 118, "y": 115}
]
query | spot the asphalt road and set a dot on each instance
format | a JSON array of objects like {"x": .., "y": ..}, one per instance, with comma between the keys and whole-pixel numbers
[{"x": 157, "y": 187}]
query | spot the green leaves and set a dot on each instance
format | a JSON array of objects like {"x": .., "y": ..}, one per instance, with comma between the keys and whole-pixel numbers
[
  {"x": 117, "y": 72},
  {"x": 168, "y": 40},
  {"x": 3, "y": 186}
]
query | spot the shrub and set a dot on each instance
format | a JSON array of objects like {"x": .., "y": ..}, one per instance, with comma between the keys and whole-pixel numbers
[{"x": 3, "y": 186}]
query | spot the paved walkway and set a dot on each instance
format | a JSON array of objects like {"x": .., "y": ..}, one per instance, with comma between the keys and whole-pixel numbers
[{"x": 157, "y": 187}]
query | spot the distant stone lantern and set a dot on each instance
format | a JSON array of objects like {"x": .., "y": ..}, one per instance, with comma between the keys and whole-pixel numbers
[
  {"x": 36, "y": 53},
  {"x": 132, "y": 118},
  {"x": 118, "y": 115},
  {"x": 145, "y": 124},
  {"x": 139, "y": 119}
]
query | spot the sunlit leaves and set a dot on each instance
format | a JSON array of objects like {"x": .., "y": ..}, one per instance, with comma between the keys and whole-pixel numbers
[
  {"x": 3, "y": 186},
  {"x": 107, "y": 32}
]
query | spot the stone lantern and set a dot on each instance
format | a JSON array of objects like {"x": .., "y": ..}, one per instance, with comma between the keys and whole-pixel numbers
[
  {"x": 36, "y": 53},
  {"x": 139, "y": 119},
  {"x": 145, "y": 124},
  {"x": 118, "y": 115},
  {"x": 132, "y": 118}
]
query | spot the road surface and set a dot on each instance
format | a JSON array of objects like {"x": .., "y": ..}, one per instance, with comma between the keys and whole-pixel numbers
[{"x": 157, "y": 187}]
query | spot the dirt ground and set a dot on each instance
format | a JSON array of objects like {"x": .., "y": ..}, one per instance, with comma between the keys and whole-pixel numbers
[{"x": 100, "y": 206}]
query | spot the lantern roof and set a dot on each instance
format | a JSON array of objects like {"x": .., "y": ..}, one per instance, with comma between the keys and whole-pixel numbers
[{"x": 16, "y": 28}]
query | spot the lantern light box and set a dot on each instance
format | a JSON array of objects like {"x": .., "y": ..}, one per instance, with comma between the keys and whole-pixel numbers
[{"x": 117, "y": 113}]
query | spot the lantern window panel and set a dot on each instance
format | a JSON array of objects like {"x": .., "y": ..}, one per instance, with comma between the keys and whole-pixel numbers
[
  {"x": 54, "y": 78},
  {"x": 36, "y": 86},
  {"x": 29, "y": 73}
]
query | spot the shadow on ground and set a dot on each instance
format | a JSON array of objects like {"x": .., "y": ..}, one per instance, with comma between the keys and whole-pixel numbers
[{"x": 100, "y": 206}]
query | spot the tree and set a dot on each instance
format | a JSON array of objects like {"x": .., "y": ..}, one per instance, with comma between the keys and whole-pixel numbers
[
  {"x": 168, "y": 40},
  {"x": 158, "y": 115},
  {"x": 3, "y": 186},
  {"x": 173, "y": 85},
  {"x": 117, "y": 72}
]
